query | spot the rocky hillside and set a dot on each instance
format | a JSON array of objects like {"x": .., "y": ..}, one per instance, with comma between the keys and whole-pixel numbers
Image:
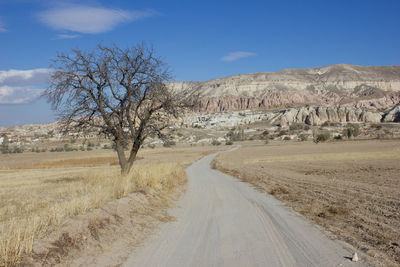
[{"x": 375, "y": 88}]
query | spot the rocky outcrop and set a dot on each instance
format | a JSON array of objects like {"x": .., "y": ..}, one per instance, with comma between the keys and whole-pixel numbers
[
  {"x": 393, "y": 115},
  {"x": 372, "y": 88},
  {"x": 322, "y": 114}
]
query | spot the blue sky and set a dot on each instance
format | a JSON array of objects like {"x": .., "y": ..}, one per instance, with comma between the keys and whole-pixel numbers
[{"x": 200, "y": 40}]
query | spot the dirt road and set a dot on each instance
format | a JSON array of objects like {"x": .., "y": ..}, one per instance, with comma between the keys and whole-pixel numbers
[{"x": 224, "y": 222}]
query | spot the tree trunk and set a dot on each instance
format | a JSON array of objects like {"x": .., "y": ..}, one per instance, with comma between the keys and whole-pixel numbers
[
  {"x": 121, "y": 158},
  {"x": 132, "y": 157}
]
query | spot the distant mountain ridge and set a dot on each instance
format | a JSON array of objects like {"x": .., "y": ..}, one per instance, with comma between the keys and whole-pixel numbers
[{"x": 376, "y": 87}]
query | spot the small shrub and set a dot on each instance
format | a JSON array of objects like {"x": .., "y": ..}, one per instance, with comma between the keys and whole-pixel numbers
[
  {"x": 303, "y": 137},
  {"x": 352, "y": 130},
  {"x": 279, "y": 190},
  {"x": 229, "y": 142},
  {"x": 287, "y": 138},
  {"x": 152, "y": 146},
  {"x": 296, "y": 126},
  {"x": 322, "y": 138},
  {"x": 215, "y": 142},
  {"x": 169, "y": 143},
  {"x": 18, "y": 150}
]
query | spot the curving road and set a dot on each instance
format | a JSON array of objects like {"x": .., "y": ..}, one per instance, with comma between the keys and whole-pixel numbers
[{"x": 224, "y": 222}]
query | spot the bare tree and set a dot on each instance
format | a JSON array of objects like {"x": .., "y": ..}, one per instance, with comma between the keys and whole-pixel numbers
[{"x": 120, "y": 92}]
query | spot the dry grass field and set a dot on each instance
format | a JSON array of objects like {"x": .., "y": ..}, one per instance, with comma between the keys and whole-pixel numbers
[
  {"x": 39, "y": 191},
  {"x": 352, "y": 189}
]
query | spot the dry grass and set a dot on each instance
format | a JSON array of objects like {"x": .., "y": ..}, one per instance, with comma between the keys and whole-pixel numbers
[
  {"x": 33, "y": 201},
  {"x": 39, "y": 191},
  {"x": 349, "y": 188},
  {"x": 66, "y": 163}
]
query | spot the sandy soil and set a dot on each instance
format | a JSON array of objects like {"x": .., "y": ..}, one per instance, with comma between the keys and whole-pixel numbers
[
  {"x": 224, "y": 222},
  {"x": 349, "y": 188}
]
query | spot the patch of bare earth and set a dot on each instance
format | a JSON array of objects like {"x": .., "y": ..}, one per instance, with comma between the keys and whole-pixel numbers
[{"x": 351, "y": 189}]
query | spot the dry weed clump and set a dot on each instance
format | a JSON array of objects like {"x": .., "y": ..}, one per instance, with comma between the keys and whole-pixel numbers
[{"x": 34, "y": 201}]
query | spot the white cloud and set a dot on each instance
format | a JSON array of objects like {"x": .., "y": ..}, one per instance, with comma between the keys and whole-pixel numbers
[
  {"x": 67, "y": 36},
  {"x": 19, "y": 77},
  {"x": 22, "y": 86},
  {"x": 18, "y": 95},
  {"x": 237, "y": 55},
  {"x": 89, "y": 19}
]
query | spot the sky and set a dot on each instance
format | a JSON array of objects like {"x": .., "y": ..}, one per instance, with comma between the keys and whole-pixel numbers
[{"x": 199, "y": 40}]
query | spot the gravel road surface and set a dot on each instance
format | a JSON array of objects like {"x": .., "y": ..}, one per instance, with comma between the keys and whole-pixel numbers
[{"x": 224, "y": 222}]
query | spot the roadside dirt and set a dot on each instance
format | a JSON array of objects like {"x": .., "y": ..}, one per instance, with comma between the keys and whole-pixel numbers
[{"x": 351, "y": 189}]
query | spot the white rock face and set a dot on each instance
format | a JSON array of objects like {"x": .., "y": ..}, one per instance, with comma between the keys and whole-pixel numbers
[
  {"x": 319, "y": 115},
  {"x": 308, "y": 115},
  {"x": 356, "y": 86},
  {"x": 393, "y": 115}
]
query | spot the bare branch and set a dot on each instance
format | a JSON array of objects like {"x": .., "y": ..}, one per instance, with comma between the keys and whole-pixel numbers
[{"x": 121, "y": 93}]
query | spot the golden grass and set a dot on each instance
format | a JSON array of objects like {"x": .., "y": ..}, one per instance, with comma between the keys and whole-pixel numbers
[
  {"x": 66, "y": 163},
  {"x": 32, "y": 201}
]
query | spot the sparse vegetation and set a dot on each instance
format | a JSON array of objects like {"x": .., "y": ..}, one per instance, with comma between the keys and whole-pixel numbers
[
  {"x": 169, "y": 143},
  {"x": 353, "y": 130},
  {"x": 215, "y": 142},
  {"x": 236, "y": 134},
  {"x": 323, "y": 137},
  {"x": 152, "y": 146},
  {"x": 303, "y": 137},
  {"x": 296, "y": 126}
]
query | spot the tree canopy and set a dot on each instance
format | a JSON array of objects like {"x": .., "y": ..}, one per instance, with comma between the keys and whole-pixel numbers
[{"x": 122, "y": 93}]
